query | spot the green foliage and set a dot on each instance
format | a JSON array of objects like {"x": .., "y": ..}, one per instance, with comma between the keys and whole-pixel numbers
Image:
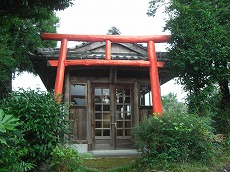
[
  {"x": 211, "y": 100},
  {"x": 18, "y": 37},
  {"x": 44, "y": 122},
  {"x": 65, "y": 159},
  {"x": 21, "y": 37},
  {"x": 171, "y": 104},
  {"x": 7, "y": 122},
  {"x": 32, "y": 9},
  {"x": 222, "y": 122},
  {"x": 11, "y": 155},
  {"x": 221, "y": 116},
  {"x": 174, "y": 138},
  {"x": 199, "y": 47},
  {"x": 22, "y": 22},
  {"x": 113, "y": 31},
  {"x": 154, "y": 5},
  {"x": 10, "y": 141},
  {"x": 7, "y": 62}
]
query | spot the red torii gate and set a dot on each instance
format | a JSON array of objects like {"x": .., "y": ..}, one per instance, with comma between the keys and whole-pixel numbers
[{"x": 62, "y": 62}]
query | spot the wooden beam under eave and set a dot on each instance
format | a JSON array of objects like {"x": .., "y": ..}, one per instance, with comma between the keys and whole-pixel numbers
[{"x": 93, "y": 62}]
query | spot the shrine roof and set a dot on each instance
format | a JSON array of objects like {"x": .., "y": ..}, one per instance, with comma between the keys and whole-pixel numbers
[{"x": 95, "y": 50}]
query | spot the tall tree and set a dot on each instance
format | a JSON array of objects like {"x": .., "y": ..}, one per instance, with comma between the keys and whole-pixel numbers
[
  {"x": 113, "y": 31},
  {"x": 32, "y": 8},
  {"x": 200, "y": 47},
  {"x": 22, "y": 21}
]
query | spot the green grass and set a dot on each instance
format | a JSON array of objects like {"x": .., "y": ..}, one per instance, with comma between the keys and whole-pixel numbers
[
  {"x": 110, "y": 164},
  {"x": 128, "y": 164}
]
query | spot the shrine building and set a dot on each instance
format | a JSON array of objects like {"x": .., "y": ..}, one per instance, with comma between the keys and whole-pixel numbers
[{"x": 111, "y": 82}]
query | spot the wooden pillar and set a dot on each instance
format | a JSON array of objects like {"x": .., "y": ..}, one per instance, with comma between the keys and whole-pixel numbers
[
  {"x": 136, "y": 92},
  {"x": 113, "y": 132},
  {"x": 61, "y": 68},
  {"x": 89, "y": 116},
  {"x": 154, "y": 78}
]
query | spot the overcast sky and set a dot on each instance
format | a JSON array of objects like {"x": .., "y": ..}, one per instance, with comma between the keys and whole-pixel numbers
[{"x": 96, "y": 17}]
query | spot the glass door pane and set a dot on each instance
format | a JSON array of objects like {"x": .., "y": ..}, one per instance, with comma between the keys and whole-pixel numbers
[
  {"x": 102, "y": 113},
  {"x": 123, "y": 112}
]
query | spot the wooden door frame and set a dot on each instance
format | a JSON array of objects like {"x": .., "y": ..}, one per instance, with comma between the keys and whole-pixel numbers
[
  {"x": 113, "y": 117},
  {"x": 113, "y": 111}
]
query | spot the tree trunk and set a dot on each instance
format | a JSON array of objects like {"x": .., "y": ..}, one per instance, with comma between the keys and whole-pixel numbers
[
  {"x": 225, "y": 106},
  {"x": 225, "y": 92},
  {"x": 5, "y": 87}
]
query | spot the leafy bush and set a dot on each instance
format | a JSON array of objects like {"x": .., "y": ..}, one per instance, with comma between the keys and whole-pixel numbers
[
  {"x": 44, "y": 122},
  {"x": 7, "y": 123},
  {"x": 10, "y": 142},
  {"x": 12, "y": 154},
  {"x": 65, "y": 159},
  {"x": 174, "y": 138}
]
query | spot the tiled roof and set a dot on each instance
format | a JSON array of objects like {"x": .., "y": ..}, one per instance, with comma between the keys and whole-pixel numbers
[
  {"x": 121, "y": 51},
  {"x": 53, "y": 53}
]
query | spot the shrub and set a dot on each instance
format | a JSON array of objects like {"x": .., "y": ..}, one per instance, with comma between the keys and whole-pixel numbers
[
  {"x": 174, "y": 138},
  {"x": 10, "y": 142},
  {"x": 7, "y": 123},
  {"x": 44, "y": 122},
  {"x": 65, "y": 159}
]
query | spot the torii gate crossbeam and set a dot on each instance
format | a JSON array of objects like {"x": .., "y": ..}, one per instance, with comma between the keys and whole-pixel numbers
[{"x": 153, "y": 65}]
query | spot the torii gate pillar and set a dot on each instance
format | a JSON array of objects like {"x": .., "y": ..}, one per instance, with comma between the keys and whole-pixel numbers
[{"x": 154, "y": 78}]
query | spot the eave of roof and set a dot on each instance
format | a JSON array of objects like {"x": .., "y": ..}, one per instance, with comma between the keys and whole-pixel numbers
[{"x": 87, "y": 51}]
